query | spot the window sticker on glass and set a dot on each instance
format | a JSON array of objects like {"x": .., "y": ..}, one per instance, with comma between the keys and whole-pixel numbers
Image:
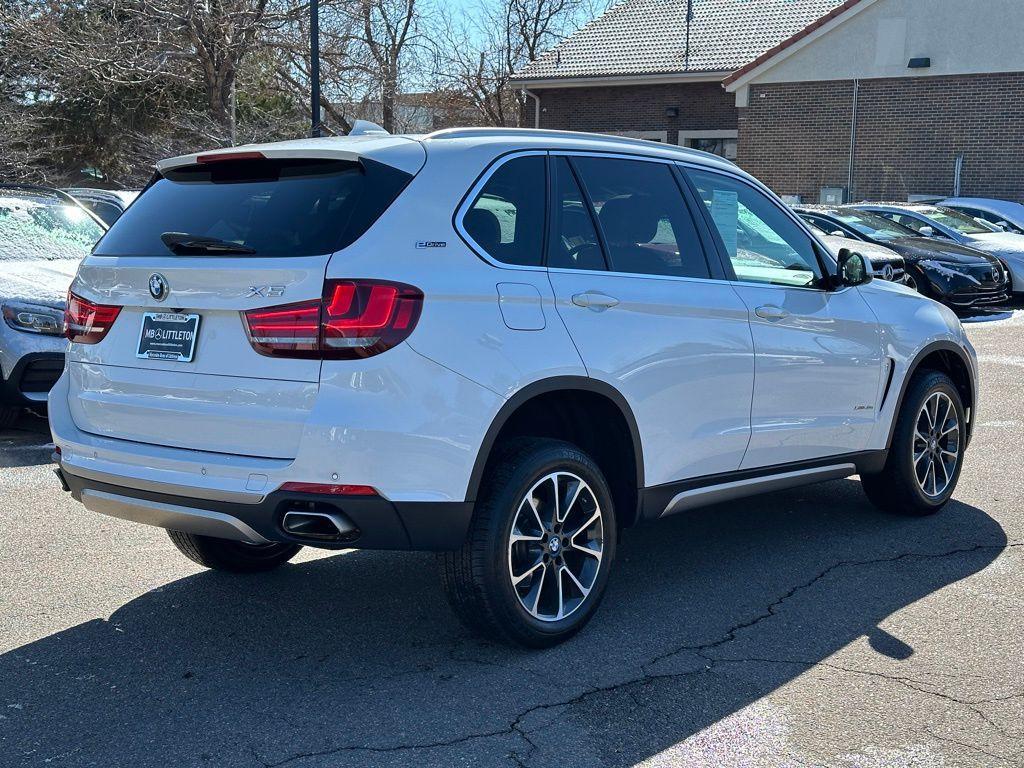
[{"x": 725, "y": 212}]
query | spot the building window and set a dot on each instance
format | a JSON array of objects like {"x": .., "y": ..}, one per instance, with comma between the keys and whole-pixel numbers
[{"x": 721, "y": 143}]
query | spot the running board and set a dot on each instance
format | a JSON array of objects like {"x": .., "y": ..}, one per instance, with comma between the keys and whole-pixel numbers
[{"x": 737, "y": 489}]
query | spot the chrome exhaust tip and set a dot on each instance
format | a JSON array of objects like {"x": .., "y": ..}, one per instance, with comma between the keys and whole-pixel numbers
[{"x": 324, "y": 526}]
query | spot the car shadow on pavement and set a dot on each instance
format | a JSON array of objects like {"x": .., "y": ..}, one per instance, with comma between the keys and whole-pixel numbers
[
  {"x": 354, "y": 659},
  {"x": 27, "y": 443}
]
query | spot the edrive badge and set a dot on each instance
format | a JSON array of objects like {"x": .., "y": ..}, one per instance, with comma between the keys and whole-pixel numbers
[{"x": 158, "y": 287}]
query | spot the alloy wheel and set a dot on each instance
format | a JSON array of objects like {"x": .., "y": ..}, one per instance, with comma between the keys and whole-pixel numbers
[
  {"x": 555, "y": 546},
  {"x": 936, "y": 444}
]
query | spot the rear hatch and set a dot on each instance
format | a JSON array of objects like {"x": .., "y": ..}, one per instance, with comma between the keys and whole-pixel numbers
[{"x": 212, "y": 237}]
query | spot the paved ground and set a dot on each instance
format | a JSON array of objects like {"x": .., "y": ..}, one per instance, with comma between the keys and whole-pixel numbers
[{"x": 802, "y": 628}]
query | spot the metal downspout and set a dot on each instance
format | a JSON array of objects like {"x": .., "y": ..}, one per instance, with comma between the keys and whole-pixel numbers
[
  {"x": 853, "y": 140},
  {"x": 536, "y": 106}
]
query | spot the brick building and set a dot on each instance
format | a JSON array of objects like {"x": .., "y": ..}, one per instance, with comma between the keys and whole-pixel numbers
[{"x": 869, "y": 99}]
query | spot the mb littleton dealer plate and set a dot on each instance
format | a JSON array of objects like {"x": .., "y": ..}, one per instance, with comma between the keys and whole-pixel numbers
[{"x": 168, "y": 336}]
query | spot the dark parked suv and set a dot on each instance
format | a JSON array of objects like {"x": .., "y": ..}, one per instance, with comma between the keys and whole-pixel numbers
[{"x": 954, "y": 274}]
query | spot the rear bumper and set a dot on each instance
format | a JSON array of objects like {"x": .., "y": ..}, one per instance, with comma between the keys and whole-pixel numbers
[{"x": 379, "y": 523}]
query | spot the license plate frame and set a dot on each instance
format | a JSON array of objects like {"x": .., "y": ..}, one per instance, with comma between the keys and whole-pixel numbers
[{"x": 168, "y": 336}]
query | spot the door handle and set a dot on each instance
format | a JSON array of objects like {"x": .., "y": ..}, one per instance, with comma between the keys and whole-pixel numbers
[
  {"x": 771, "y": 312},
  {"x": 594, "y": 300}
]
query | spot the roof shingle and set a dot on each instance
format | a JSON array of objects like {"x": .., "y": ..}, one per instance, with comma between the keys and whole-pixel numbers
[{"x": 639, "y": 37}]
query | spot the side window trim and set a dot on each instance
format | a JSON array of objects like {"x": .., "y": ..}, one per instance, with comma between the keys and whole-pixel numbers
[
  {"x": 591, "y": 211},
  {"x": 717, "y": 238},
  {"x": 466, "y": 204},
  {"x": 712, "y": 254}
]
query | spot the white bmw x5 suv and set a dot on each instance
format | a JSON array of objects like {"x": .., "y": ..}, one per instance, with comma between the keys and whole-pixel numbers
[{"x": 504, "y": 346}]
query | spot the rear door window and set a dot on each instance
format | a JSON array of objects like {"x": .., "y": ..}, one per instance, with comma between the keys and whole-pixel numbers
[
  {"x": 275, "y": 207},
  {"x": 646, "y": 224},
  {"x": 506, "y": 219}
]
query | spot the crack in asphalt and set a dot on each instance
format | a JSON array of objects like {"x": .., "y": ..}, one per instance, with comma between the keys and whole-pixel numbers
[
  {"x": 972, "y": 747},
  {"x": 516, "y": 726}
]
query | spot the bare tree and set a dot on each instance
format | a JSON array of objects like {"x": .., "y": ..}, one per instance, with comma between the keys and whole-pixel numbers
[
  {"x": 478, "y": 56},
  {"x": 388, "y": 30}
]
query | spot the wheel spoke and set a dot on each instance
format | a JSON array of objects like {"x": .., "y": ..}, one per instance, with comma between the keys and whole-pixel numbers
[
  {"x": 561, "y": 595},
  {"x": 919, "y": 456},
  {"x": 928, "y": 414},
  {"x": 540, "y": 588},
  {"x": 584, "y": 591},
  {"x": 534, "y": 504},
  {"x": 572, "y": 501},
  {"x": 919, "y": 436},
  {"x": 954, "y": 428},
  {"x": 595, "y": 553},
  {"x": 517, "y": 580},
  {"x": 945, "y": 416},
  {"x": 593, "y": 518}
]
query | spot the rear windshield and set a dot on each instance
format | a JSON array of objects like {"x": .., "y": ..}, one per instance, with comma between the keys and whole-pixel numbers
[
  {"x": 276, "y": 207},
  {"x": 44, "y": 226}
]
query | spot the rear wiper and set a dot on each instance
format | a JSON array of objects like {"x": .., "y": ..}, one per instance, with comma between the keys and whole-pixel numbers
[{"x": 197, "y": 245}]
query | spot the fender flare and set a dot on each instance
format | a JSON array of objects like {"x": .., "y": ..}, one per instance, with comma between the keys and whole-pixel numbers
[
  {"x": 943, "y": 345},
  {"x": 545, "y": 386}
]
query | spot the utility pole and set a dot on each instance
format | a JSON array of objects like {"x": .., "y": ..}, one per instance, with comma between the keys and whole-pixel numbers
[{"x": 314, "y": 66}]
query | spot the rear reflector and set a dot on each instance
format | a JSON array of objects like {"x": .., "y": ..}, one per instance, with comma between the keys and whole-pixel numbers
[
  {"x": 85, "y": 322},
  {"x": 330, "y": 489},
  {"x": 353, "y": 319},
  {"x": 220, "y": 157}
]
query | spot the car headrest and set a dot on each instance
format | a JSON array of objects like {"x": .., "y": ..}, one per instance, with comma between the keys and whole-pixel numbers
[
  {"x": 629, "y": 219},
  {"x": 483, "y": 226}
]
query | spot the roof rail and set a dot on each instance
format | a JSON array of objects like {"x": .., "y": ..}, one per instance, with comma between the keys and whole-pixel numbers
[{"x": 468, "y": 133}]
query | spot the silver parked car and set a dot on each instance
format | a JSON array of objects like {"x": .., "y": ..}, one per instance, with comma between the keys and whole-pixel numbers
[
  {"x": 44, "y": 234},
  {"x": 1004, "y": 214},
  {"x": 947, "y": 224}
]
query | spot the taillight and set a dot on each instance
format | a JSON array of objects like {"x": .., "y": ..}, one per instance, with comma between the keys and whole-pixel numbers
[
  {"x": 85, "y": 322},
  {"x": 353, "y": 319}
]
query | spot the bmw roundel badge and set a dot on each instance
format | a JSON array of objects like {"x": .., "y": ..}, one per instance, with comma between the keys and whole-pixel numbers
[{"x": 158, "y": 286}]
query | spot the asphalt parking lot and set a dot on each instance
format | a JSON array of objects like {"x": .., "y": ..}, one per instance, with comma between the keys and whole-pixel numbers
[{"x": 798, "y": 629}]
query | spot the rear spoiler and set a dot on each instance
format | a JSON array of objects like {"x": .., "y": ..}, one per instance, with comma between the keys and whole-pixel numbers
[{"x": 398, "y": 152}]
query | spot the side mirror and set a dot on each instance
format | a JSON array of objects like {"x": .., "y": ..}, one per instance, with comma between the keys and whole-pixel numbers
[
  {"x": 1005, "y": 226},
  {"x": 853, "y": 269},
  {"x": 837, "y": 233},
  {"x": 926, "y": 231}
]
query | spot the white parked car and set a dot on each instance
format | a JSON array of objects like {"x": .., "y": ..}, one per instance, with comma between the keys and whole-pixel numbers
[
  {"x": 44, "y": 235},
  {"x": 502, "y": 345},
  {"x": 885, "y": 263}
]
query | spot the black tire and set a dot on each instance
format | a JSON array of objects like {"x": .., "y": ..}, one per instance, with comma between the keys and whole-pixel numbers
[
  {"x": 478, "y": 577},
  {"x": 897, "y": 488},
  {"x": 9, "y": 415},
  {"x": 232, "y": 556}
]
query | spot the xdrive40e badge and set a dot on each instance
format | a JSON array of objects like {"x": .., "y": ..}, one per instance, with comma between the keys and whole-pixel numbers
[{"x": 158, "y": 287}]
